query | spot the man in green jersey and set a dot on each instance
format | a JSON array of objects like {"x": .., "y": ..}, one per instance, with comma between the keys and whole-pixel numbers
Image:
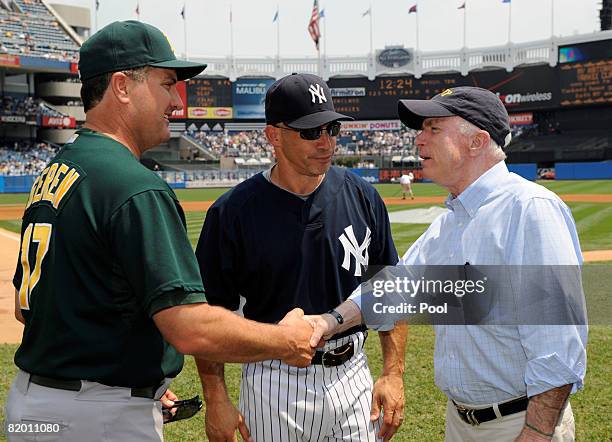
[{"x": 107, "y": 284}]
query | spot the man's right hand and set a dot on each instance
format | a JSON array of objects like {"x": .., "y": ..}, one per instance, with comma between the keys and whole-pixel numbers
[
  {"x": 222, "y": 421},
  {"x": 322, "y": 328},
  {"x": 298, "y": 334}
]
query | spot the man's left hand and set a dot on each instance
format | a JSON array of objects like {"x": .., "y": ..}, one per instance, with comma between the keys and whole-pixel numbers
[
  {"x": 388, "y": 394},
  {"x": 167, "y": 401}
]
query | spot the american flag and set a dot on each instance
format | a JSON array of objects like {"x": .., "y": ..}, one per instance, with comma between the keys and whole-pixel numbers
[{"x": 313, "y": 24}]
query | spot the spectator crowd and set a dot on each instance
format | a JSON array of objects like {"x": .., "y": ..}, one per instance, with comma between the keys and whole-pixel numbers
[
  {"x": 24, "y": 157},
  {"x": 26, "y": 106},
  {"x": 255, "y": 144}
]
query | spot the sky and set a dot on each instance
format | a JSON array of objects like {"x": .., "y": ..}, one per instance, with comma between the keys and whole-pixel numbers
[{"x": 440, "y": 24}]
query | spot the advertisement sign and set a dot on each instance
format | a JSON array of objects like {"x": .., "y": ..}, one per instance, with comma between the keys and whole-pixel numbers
[
  {"x": 210, "y": 113},
  {"x": 523, "y": 119},
  {"x": 370, "y": 175},
  {"x": 59, "y": 122},
  {"x": 249, "y": 95},
  {"x": 181, "y": 88},
  {"x": 13, "y": 118},
  {"x": 9, "y": 60},
  {"x": 358, "y": 126},
  {"x": 388, "y": 175}
]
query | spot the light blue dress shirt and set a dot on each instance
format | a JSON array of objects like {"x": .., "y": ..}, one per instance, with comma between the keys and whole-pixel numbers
[{"x": 503, "y": 219}]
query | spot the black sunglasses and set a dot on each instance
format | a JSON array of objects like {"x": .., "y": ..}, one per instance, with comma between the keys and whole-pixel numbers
[
  {"x": 184, "y": 410},
  {"x": 315, "y": 133}
]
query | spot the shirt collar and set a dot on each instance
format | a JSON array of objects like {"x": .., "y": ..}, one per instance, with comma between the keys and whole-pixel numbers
[{"x": 475, "y": 194}]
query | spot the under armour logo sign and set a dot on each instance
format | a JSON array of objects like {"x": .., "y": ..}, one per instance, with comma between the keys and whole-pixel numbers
[
  {"x": 353, "y": 248},
  {"x": 317, "y": 91}
]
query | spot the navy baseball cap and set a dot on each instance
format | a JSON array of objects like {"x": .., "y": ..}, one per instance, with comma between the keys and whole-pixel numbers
[
  {"x": 301, "y": 101},
  {"x": 131, "y": 44},
  {"x": 479, "y": 106}
]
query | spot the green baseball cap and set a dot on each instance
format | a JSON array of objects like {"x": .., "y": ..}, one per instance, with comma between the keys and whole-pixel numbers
[{"x": 131, "y": 44}]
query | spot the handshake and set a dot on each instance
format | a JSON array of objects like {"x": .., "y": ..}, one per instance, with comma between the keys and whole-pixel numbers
[{"x": 306, "y": 333}]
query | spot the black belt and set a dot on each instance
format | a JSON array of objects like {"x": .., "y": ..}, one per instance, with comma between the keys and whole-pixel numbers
[
  {"x": 334, "y": 357},
  {"x": 477, "y": 417},
  {"x": 75, "y": 385}
]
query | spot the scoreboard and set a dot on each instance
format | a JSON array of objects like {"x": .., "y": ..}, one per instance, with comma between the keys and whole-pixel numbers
[
  {"x": 586, "y": 83},
  {"x": 585, "y": 74},
  {"x": 523, "y": 89},
  {"x": 209, "y": 98},
  {"x": 583, "y": 77}
]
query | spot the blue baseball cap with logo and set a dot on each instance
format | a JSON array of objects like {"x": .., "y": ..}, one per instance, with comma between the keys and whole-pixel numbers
[
  {"x": 479, "y": 106},
  {"x": 301, "y": 101}
]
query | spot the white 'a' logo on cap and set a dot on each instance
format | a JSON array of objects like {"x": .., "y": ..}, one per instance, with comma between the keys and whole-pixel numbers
[{"x": 317, "y": 91}]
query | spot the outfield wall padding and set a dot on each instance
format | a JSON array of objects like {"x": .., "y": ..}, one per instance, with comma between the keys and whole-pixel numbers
[
  {"x": 529, "y": 171},
  {"x": 584, "y": 171},
  {"x": 16, "y": 184}
]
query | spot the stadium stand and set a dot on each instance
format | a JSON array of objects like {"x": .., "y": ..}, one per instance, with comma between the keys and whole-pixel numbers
[
  {"x": 253, "y": 144},
  {"x": 26, "y": 106},
  {"x": 25, "y": 157},
  {"x": 28, "y": 28}
]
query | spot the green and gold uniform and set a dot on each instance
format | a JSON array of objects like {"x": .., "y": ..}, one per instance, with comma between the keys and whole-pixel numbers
[{"x": 103, "y": 248}]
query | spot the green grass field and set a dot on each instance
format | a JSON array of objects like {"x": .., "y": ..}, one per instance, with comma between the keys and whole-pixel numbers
[{"x": 425, "y": 404}]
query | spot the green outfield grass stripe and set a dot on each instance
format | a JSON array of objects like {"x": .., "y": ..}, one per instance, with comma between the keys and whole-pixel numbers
[
  {"x": 11, "y": 225},
  {"x": 582, "y": 210},
  {"x": 579, "y": 187},
  {"x": 595, "y": 218}
]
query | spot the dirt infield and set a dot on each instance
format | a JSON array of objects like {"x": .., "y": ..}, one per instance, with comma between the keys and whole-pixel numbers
[{"x": 11, "y": 330}]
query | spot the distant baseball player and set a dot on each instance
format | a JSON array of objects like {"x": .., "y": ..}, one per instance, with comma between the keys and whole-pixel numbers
[
  {"x": 107, "y": 284},
  {"x": 300, "y": 235},
  {"x": 406, "y": 183}
]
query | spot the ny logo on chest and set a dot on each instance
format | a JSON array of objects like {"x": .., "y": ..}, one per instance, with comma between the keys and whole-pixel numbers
[{"x": 353, "y": 248}]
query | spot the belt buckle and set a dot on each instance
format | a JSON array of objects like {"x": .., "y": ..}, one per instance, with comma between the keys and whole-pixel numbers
[
  {"x": 468, "y": 415},
  {"x": 323, "y": 358}
]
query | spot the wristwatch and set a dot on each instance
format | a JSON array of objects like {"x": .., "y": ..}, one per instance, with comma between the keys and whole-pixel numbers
[{"x": 336, "y": 315}]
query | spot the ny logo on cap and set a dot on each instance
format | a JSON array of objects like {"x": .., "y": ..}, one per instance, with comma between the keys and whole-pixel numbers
[
  {"x": 317, "y": 90},
  {"x": 446, "y": 92}
]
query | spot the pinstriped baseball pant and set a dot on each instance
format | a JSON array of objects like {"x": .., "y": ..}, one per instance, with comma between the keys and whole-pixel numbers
[{"x": 283, "y": 403}]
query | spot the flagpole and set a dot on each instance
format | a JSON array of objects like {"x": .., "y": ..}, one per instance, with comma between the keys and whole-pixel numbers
[
  {"x": 97, "y": 5},
  {"x": 464, "y": 23},
  {"x": 509, "y": 21},
  {"x": 278, "y": 32},
  {"x": 185, "y": 26},
  {"x": 325, "y": 34},
  {"x": 231, "y": 34},
  {"x": 371, "y": 38},
  {"x": 552, "y": 18},
  {"x": 417, "y": 26}
]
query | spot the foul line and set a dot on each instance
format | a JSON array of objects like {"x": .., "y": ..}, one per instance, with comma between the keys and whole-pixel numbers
[{"x": 10, "y": 235}]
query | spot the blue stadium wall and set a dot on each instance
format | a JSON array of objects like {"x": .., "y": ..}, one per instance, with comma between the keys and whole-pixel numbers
[
  {"x": 564, "y": 171},
  {"x": 584, "y": 171}
]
